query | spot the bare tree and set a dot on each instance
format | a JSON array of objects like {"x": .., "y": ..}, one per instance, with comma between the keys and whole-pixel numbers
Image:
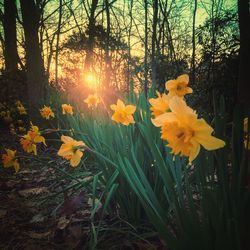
[
  {"x": 91, "y": 33},
  {"x": 36, "y": 80},
  {"x": 146, "y": 50},
  {"x": 107, "y": 56},
  {"x": 58, "y": 40},
  {"x": 193, "y": 42},
  {"x": 154, "y": 38},
  {"x": 10, "y": 36},
  {"x": 243, "y": 83}
]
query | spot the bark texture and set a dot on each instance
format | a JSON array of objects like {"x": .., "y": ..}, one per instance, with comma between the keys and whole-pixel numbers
[{"x": 36, "y": 79}]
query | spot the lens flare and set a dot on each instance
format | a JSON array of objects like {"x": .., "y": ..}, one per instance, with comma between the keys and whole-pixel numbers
[{"x": 91, "y": 79}]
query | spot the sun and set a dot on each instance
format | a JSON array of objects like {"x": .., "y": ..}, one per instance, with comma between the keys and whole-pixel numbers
[{"x": 90, "y": 79}]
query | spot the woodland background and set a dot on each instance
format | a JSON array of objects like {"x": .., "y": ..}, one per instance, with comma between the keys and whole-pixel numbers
[{"x": 124, "y": 45}]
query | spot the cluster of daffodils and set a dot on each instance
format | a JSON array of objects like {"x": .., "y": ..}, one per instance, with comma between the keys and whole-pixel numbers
[
  {"x": 29, "y": 144},
  {"x": 21, "y": 109},
  {"x": 180, "y": 125},
  {"x": 71, "y": 149},
  {"x": 14, "y": 117}
]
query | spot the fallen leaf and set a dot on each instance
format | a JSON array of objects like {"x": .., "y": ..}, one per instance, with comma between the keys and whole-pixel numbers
[
  {"x": 38, "y": 236},
  {"x": 71, "y": 205},
  {"x": 33, "y": 191},
  {"x": 63, "y": 222}
]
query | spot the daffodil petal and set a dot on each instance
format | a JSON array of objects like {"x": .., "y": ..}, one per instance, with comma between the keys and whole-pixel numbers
[
  {"x": 209, "y": 142},
  {"x": 164, "y": 118},
  {"x": 195, "y": 149},
  {"x": 130, "y": 109},
  {"x": 120, "y": 104},
  {"x": 183, "y": 78},
  {"x": 66, "y": 139},
  {"x": 76, "y": 158}
]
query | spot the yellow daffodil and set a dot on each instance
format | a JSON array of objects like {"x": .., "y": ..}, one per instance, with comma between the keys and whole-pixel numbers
[
  {"x": 46, "y": 112},
  {"x": 67, "y": 109},
  {"x": 21, "y": 109},
  {"x": 71, "y": 150},
  {"x": 179, "y": 86},
  {"x": 92, "y": 100},
  {"x": 9, "y": 159},
  {"x": 123, "y": 114},
  {"x": 160, "y": 105},
  {"x": 184, "y": 131},
  {"x": 30, "y": 140}
]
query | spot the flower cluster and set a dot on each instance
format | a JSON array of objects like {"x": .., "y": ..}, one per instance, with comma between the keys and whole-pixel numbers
[
  {"x": 13, "y": 117},
  {"x": 21, "y": 109},
  {"x": 180, "y": 125},
  {"x": 184, "y": 132}
]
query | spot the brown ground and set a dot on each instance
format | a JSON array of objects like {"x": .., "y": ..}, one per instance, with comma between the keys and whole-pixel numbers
[{"x": 29, "y": 218}]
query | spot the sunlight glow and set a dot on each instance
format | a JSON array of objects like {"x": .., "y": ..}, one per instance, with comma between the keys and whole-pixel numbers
[{"x": 90, "y": 79}]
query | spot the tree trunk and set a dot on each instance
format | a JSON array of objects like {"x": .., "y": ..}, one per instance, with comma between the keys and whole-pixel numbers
[
  {"x": 243, "y": 82},
  {"x": 146, "y": 49},
  {"x": 91, "y": 31},
  {"x": 107, "y": 56},
  {"x": 154, "y": 37},
  {"x": 34, "y": 63},
  {"x": 193, "y": 44},
  {"x": 10, "y": 44},
  {"x": 57, "y": 40},
  {"x": 130, "y": 83}
]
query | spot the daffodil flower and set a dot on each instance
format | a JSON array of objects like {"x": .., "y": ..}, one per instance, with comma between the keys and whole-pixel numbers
[
  {"x": 30, "y": 140},
  {"x": 160, "y": 105},
  {"x": 184, "y": 132},
  {"x": 9, "y": 159},
  {"x": 123, "y": 114},
  {"x": 67, "y": 109},
  {"x": 92, "y": 100},
  {"x": 71, "y": 150},
  {"x": 179, "y": 86},
  {"x": 47, "y": 113}
]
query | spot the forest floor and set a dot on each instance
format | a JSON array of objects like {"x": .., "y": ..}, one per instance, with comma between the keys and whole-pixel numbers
[
  {"x": 30, "y": 217},
  {"x": 37, "y": 214}
]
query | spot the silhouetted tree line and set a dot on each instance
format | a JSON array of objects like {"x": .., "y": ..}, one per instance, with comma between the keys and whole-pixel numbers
[{"x": 34, "y": 35}]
